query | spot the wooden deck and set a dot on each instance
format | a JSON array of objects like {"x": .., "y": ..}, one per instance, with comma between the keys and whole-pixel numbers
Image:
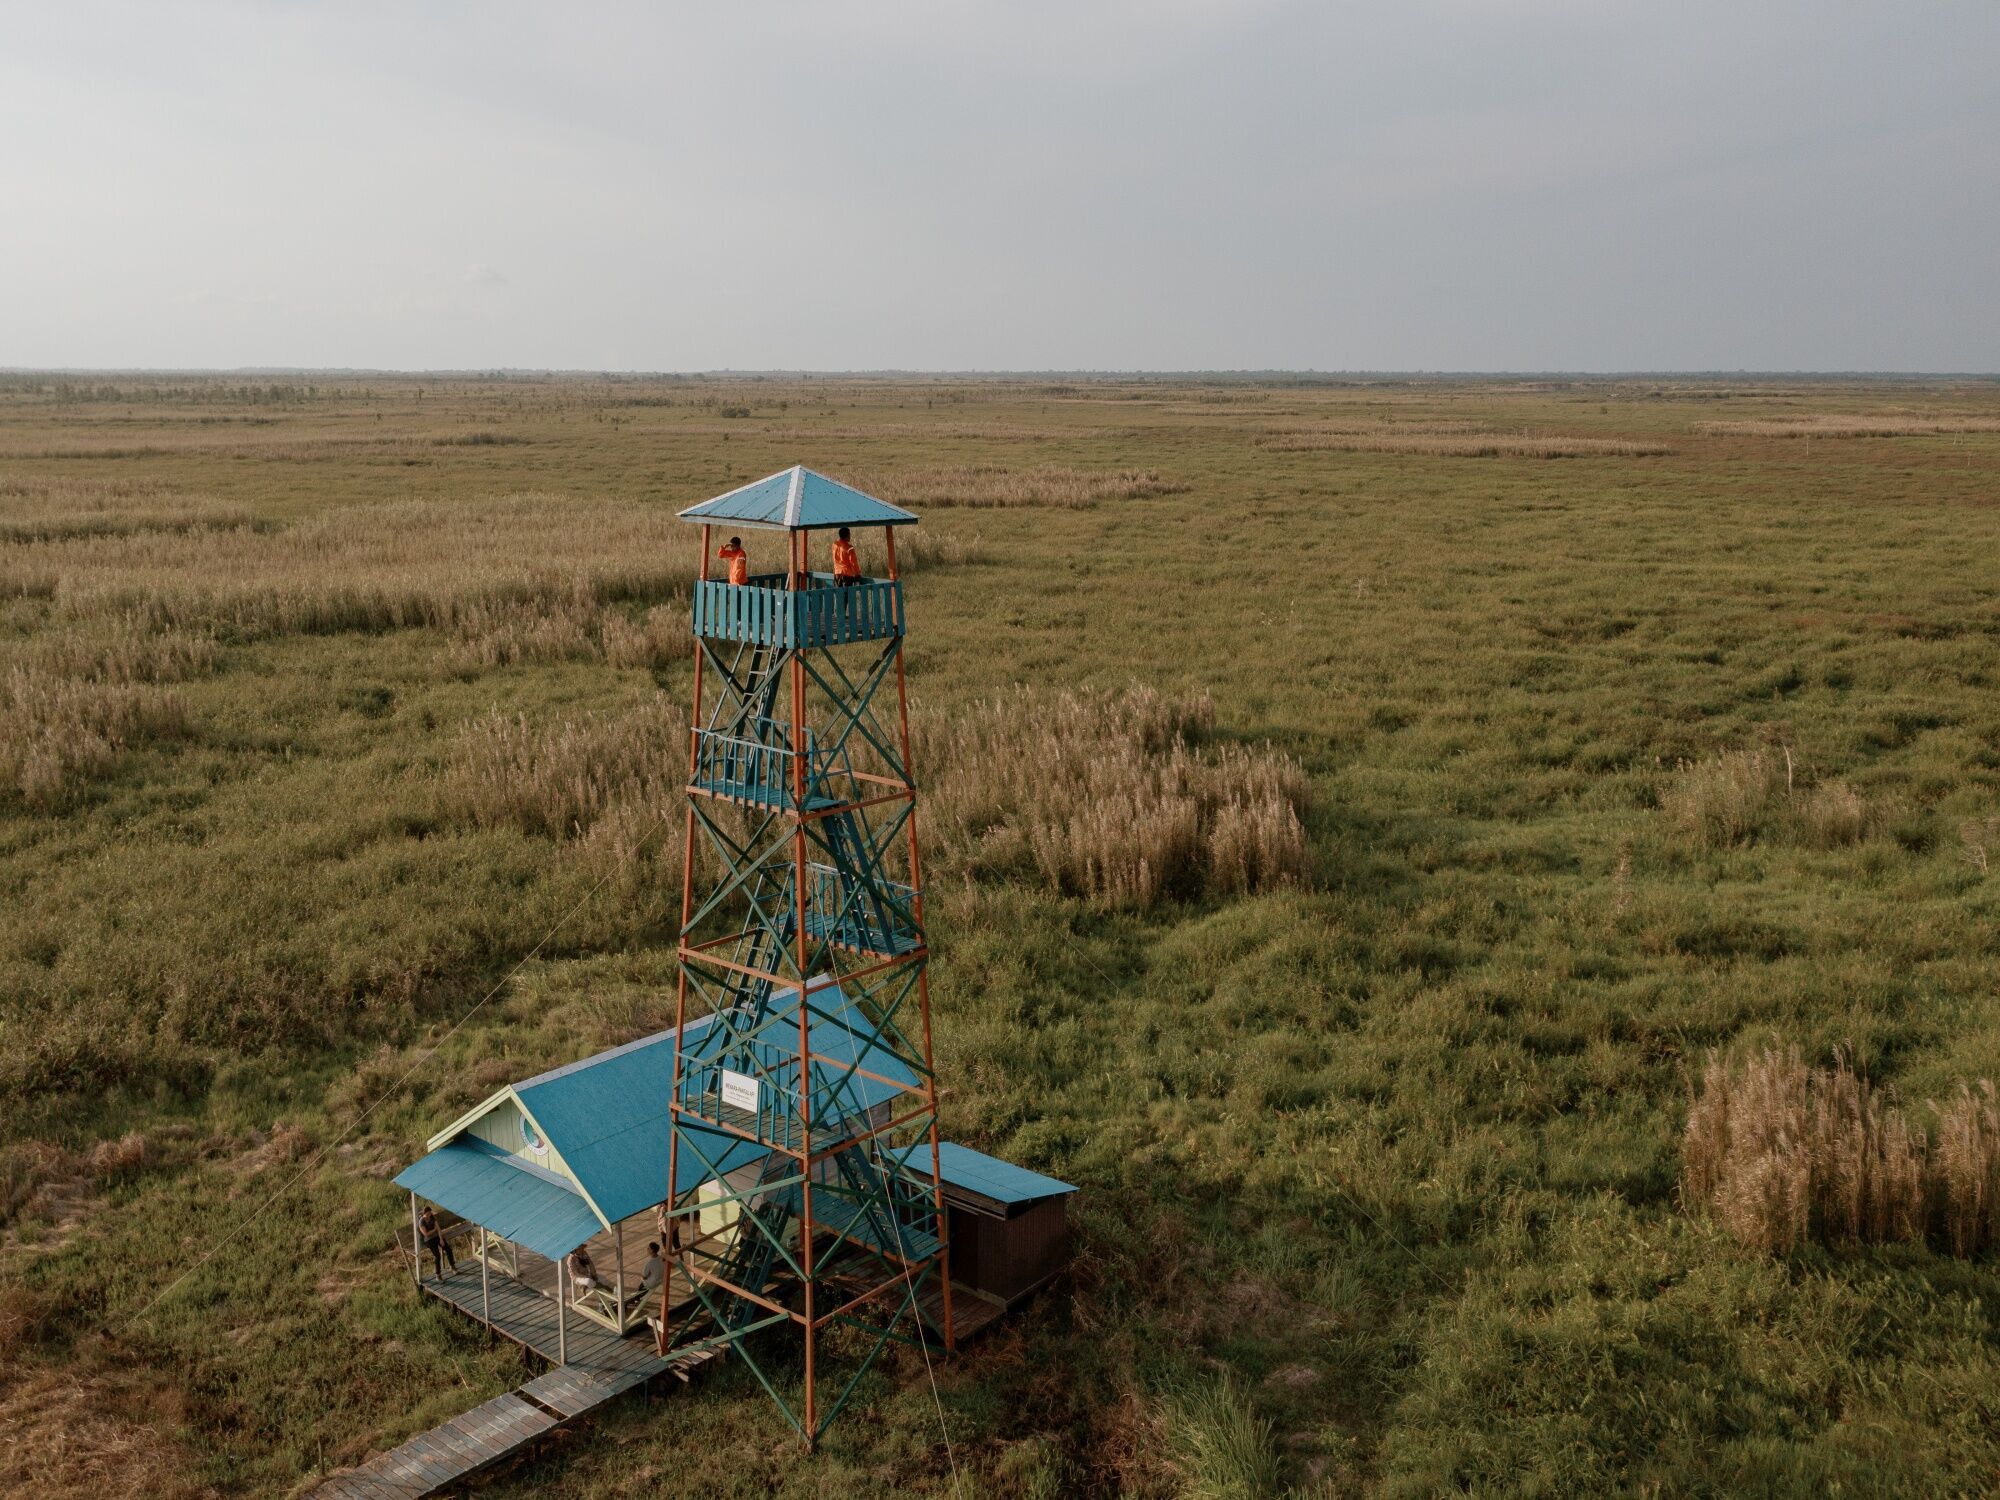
[{"x": 537, "y": 1273}]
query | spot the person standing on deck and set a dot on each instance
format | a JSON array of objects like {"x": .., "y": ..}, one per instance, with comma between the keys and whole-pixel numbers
[
  {"x": 431, "y": 1238},
  {"x": 738, "y": 560},
  {"x": 846, "y": 561}
]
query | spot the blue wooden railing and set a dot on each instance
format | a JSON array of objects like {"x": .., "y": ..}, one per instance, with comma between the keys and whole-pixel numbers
[
  {"x": 881, "y": 917},
  {"x": 754, "y": 770},
  {"x": 763, "y": 611}
]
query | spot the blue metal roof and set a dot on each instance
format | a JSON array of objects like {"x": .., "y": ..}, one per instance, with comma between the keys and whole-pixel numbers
[
  {"x": 986, "y": 1175},
  {"x": 484, "y": 1184},
  {"x": 798, "y": 499},
  {"x": 607, "y": 1118}
]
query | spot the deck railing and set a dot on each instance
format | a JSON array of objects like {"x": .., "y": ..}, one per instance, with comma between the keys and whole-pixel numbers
[
  {"x": 755, "y": 770},
  {"x": 765, "y": 612}
]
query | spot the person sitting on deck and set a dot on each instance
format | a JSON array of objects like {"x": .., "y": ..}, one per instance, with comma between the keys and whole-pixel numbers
[
  {"x": 431, "y": 1238},
  {"x": 652, "y": 1275},
  {"x": 582, "y": 1272},
  {"x": 846, "y": 562},
  {"x": 738, "y": 560}
]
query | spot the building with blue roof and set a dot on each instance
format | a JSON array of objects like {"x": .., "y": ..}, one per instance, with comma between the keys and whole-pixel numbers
[
  {"x": 1009, "y": 1227},
  {"x": 569, "y": 1157}
]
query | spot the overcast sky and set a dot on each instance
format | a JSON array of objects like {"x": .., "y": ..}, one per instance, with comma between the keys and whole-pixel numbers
[{"x": 1022, "y": 184}]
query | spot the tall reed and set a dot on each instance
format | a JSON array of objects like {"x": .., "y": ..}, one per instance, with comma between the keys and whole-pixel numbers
[
  {"x": 1779, "y": 1153},
  {"x": 1104, "y": 797}
]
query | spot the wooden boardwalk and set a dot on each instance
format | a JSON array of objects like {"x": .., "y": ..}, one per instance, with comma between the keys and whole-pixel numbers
[
  {"x": 601, "y": 1367},
  {"x": 446, "y": 1454}
]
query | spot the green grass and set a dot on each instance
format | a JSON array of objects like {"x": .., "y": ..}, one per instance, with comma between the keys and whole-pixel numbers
[{"x": 1378, "y": 1171}]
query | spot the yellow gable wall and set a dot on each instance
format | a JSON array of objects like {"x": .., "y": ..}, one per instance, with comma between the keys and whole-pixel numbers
[{"x": 502, "y": 1126}]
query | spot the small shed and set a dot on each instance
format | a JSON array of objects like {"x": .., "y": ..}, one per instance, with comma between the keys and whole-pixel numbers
[{"x": 1009, "y": 1226}]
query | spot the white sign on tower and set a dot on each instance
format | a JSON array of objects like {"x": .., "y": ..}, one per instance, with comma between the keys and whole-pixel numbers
[{"x": 739, "y": 1091}]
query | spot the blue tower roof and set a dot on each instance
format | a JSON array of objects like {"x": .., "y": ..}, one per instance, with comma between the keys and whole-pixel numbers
[{"x": 798, "y": 499}]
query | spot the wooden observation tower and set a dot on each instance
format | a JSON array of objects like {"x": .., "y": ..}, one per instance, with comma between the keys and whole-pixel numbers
[{"x": 810, "y": 1098}]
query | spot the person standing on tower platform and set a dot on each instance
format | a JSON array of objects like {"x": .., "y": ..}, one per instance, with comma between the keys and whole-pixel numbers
[
  {"x": 738, "y": 560},
  {"x": 846, "y": 561}
]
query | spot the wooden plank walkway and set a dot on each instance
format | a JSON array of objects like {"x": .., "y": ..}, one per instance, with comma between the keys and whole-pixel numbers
[
  {"x": 446, "y": 1454},
  {"x": 601, "y": 1367}
]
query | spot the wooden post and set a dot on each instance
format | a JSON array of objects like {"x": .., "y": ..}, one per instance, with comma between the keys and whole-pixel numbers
[
  {"x": 562, "y": 1311},
  {"x": 485, "y": 1289},
  {"x": 416, "y": 1244},
  {"x": 618, "y": 1240}
]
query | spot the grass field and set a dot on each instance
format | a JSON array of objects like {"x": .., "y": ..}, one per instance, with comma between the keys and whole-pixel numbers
[{"x": 1621, "y": 722}]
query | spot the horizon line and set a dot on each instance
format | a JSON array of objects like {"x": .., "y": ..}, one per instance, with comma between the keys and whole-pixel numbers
[{"x": 504, "y": 372}]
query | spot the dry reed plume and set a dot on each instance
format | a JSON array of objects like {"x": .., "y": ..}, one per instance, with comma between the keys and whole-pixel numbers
[
  {"x": 1103, "y": 797},
  {"x": 998, "y": 485},
  {"x": 1731, "y": 797},
  {"x": 58, "y": 734},
  {"x": 921, "y": 547},
  {"x": 374, "y": 567},
  {"x": 1831, "y": 426},
  {"x": 1467, "y": 445},
  {"x": 1778, "y": 1153},
  {"x": 579, "y": 629},
  {"x": 526, "y": 578},
  {"x": 561, "y": 780},
  {"x": 292, "y": 449},
  {"x": 123, "y": 650},
  {"x": 55, "y": 509}
]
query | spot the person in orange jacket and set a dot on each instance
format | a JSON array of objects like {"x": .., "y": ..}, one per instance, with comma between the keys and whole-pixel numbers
[
  {"x": 846, "y": 561},
  {"x": 738, "y": 560}
]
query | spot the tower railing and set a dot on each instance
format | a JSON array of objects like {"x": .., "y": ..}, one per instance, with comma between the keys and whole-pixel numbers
[
  {"x": 766, "y": 612},
  {"x": 775, "y": 1118},
  {"x": 879, "y": 918},
  {"x": 755, "y": 770}
]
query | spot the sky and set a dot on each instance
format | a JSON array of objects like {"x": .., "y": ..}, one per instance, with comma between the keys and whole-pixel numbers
[{"x": 1019, "y": 185}]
